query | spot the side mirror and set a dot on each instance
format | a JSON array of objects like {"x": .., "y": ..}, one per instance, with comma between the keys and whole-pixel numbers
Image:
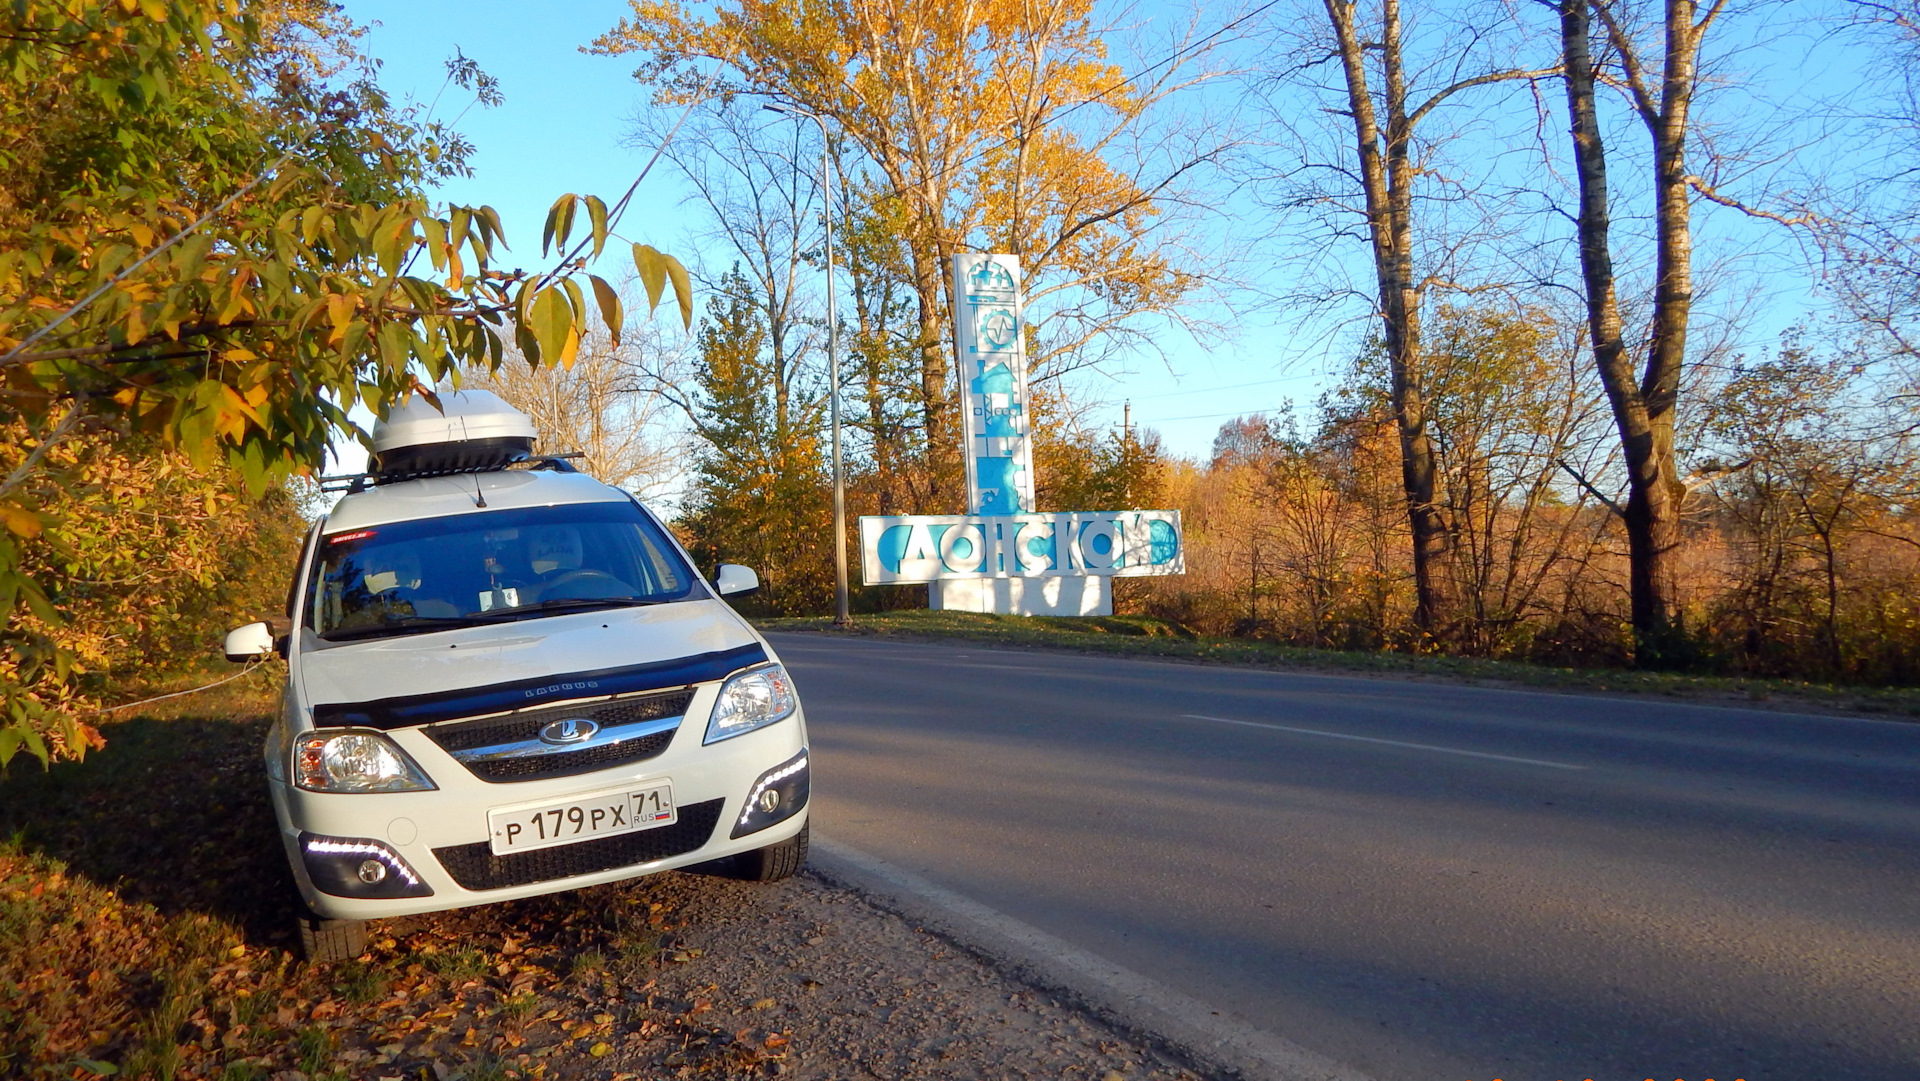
[
  {"x": 733, "y": 578},
  {"x": 252, "y": 642}
]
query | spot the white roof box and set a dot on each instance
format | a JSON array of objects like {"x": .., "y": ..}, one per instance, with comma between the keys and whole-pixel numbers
[{"x": 476, "y": 432}]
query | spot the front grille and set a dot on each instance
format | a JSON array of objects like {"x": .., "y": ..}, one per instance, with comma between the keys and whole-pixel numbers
[
  {"x": 567, "y": 763},
  {"x": 611, "y": 715},
  {"x": 475, "y": 867}
]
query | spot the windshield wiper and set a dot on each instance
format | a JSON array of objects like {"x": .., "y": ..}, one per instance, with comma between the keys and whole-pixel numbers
[
  {"x": 403, "y": 625},
  {"x": 410, "y": 624},
  {"x": 561, "y": 604}
]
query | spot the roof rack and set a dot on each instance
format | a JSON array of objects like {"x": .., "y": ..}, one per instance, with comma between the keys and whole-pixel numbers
[{"x": 351, "y": 483}]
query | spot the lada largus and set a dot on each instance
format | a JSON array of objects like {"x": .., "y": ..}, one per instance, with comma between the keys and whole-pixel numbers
[{"x": 505, "y": 678}]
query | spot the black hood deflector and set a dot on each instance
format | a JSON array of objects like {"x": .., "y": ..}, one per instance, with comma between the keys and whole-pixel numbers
[{"x": 407, "y": 711}]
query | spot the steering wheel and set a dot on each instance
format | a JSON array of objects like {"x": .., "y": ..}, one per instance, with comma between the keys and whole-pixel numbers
[{"x": 583, "y": 574}]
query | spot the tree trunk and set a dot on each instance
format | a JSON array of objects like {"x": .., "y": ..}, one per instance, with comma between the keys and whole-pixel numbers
[
  {"x": 1643, "y": 406},
  {"x": 944, "y": 476},
  {"x": 1386, "y": 173}
]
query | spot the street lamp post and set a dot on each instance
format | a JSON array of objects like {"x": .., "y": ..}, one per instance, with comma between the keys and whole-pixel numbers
[{"x": 842, "y": 616}]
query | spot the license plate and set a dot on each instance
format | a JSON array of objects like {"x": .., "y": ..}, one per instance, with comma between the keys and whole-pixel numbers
[{"x": 583, "y": 818}]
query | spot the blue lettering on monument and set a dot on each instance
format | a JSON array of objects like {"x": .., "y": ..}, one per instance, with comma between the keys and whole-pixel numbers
[{"x": 925, "y": 548}]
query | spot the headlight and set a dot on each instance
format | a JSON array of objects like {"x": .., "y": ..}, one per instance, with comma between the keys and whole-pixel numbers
[
  {"x": 753, "y": 699},
  {"x": 354, "y": 762}
]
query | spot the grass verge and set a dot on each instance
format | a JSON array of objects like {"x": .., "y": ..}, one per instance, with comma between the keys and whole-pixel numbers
[
  {"x": 146, "y": 931},
  {"x": 1141, "y": 636}
]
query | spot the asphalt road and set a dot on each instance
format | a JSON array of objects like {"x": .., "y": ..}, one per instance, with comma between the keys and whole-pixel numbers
[{"x": 1419, "y": 880}]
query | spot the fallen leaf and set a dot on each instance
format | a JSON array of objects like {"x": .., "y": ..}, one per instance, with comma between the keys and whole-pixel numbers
[
  {"x": 762, "y": 1004},
  {"x": 600, "y": 1050}
]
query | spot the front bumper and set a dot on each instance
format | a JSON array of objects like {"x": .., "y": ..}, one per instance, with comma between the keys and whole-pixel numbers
[{"x": 442, "y": 836}]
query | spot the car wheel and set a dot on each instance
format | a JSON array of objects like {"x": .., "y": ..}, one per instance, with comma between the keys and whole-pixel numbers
[
  {"x": 323, "y": 941},
  {"x": 774, "y": 862}
]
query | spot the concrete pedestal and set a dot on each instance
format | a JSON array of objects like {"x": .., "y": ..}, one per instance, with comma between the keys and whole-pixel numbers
[{"x": 1091, "y": 595}]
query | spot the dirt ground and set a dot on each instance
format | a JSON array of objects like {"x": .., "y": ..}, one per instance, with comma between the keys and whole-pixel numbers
[{"x": 145, "y": 931}]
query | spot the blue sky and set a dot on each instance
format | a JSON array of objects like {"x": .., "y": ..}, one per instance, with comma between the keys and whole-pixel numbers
[{"x": 560, "y": 130}]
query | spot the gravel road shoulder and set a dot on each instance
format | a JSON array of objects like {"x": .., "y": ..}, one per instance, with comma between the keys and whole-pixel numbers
[{"x": 800, "y": 979}]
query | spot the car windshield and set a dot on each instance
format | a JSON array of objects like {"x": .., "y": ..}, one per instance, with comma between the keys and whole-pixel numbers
[{"x": 410, "y": 577}]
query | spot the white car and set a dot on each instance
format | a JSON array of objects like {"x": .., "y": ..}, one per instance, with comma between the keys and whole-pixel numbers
[{"x": 505, "y": 678}]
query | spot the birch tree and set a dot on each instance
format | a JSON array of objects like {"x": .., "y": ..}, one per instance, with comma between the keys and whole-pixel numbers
[{"x": 1387, "y": 97}]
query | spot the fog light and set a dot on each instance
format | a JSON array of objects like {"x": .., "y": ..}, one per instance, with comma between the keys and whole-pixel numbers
[
  {"x": 358, "y": 867},
  {"x": 778, "y": 795}
]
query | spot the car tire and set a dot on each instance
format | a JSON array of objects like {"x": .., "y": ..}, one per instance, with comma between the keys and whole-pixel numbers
[
  {"x": 774, "y": 862},
  {"x": 324, "y": 941}
]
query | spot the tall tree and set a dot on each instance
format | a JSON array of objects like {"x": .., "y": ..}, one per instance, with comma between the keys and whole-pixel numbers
[
  {"x": 204, "y": 238},
  {"x": 759, "y": 184},
  {"x": 882, "y": 349},
  {"x": 938, "y": 96},
  {"x": 1386, "y": 105},
  {"x": 759, "y": 495},
  {"x": 1644, "y": 397}
]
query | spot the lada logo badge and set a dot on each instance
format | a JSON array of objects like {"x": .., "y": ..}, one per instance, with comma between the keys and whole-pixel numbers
[{"x": 570, "y": 730}]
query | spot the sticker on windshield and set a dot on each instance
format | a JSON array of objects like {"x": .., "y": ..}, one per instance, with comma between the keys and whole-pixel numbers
[{"x": 507, "y": 597}]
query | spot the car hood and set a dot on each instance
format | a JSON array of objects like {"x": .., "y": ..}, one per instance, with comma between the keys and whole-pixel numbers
[{"x": 418, "y": 679}]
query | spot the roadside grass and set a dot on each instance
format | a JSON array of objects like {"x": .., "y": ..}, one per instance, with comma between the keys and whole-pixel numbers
[
  {"x": 146, "y": 932},
  {"x": 1142, "y": 636}
]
